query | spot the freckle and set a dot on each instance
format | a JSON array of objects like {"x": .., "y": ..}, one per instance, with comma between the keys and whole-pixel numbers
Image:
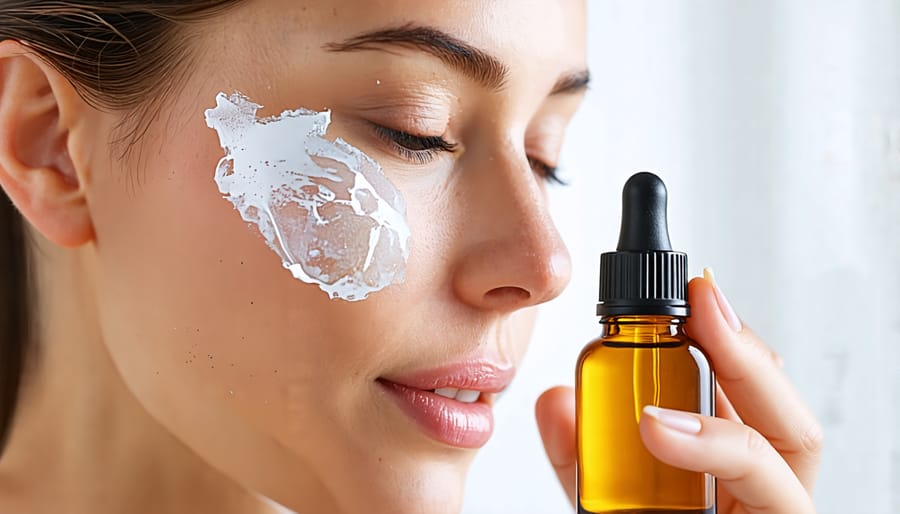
[
  {"x": 232, "y": 364},
  {"x": 276, "y": 371}
]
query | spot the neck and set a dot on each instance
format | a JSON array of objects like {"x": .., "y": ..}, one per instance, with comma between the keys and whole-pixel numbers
[
  {"x": 80, "y": 441},
  {"x": 643, "y": 329}
]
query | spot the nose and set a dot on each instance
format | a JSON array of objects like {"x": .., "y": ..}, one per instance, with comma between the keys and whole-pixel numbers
[{"x": 512, "y": 255}]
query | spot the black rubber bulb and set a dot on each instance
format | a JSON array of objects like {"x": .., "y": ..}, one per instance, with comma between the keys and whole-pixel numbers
[{"x": 645, "y": 227}]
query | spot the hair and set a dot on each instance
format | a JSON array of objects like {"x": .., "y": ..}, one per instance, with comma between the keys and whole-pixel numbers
[{"x": 119, "y": 55}]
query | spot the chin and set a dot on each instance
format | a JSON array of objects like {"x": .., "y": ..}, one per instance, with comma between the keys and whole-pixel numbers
[{"x": 437, "y": 487}]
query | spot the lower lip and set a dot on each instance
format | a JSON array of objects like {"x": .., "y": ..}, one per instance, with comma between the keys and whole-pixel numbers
[{"x": 463, "y": 425}]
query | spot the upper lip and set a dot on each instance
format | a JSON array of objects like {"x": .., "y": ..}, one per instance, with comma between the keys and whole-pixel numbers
[{"x": 473, "y": 375}]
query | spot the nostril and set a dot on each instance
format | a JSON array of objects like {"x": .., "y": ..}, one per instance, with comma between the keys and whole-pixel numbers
[{"x": 507, "y": 295}]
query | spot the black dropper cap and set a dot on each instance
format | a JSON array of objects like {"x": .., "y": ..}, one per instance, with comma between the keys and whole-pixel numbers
[{"x": 643, "y": 276}]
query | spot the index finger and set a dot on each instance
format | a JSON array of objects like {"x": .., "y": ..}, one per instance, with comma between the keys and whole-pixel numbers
[
  {"x": 555, "y": 413},
  {"x": 759, "y": 390}
]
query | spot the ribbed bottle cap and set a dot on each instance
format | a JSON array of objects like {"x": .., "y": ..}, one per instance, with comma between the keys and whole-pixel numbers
[{"x": 643, "y": 276}]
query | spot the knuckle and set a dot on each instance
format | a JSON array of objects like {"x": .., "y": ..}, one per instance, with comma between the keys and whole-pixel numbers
[
  {"x": 758, "y": 348},
  {"x": 812, "y": 440},
  {"x": 777, "y": 359},
  {"x": 756, "y": 443}
]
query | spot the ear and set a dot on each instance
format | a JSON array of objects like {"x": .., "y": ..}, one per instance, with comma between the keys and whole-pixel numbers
[{"x": 39, "y": 110}]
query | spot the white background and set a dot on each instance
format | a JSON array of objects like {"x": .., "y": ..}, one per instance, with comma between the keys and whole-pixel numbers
[{"x": 776, "y": 126}]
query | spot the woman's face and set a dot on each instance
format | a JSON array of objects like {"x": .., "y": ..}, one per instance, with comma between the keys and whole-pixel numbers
[{"x": 323, "y": 403}]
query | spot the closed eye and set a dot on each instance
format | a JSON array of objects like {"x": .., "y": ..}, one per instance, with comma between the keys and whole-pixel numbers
[
  {"x": 424, "y": 149},
  {"x": 547, "y": 172},
  {"x": 417, "y": 149}
]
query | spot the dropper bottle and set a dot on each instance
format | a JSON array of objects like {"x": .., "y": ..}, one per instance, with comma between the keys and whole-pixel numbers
[{"x": 642, "y": 357}]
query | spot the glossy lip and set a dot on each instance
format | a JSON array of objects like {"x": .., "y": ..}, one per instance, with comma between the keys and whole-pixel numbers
[{"x": 458, "y": 424}]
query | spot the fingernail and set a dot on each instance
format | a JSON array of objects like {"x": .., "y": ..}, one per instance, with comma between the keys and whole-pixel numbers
[
  {"x": 724, "y": 306},
  {"x": 676, "y": 420}
]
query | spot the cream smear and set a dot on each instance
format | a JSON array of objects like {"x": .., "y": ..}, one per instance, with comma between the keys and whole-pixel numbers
[{"x": 326, "y": 208}]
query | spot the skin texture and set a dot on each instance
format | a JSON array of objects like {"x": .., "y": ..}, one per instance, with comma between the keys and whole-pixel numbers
[{"x": 181, "y": 369}]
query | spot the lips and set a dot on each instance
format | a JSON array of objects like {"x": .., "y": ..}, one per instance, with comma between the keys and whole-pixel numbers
[{"x": 451, "y": 404}]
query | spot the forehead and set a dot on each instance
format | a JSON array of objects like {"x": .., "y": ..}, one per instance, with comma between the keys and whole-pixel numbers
[{"x": 545, "y": 35}]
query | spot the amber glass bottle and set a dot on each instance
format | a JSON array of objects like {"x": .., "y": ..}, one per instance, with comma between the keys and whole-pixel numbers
[{"x": 642, "y": 357}]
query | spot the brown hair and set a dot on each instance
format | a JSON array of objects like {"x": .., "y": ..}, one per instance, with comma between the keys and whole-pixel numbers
[{"x": 119, "y": 55}]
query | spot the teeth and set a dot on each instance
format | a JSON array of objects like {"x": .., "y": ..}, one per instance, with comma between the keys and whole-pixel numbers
[
  {"x": 447, "y": 392},
  {"x": 460, "y": 395},
  {"x": 468, "y": 396}
]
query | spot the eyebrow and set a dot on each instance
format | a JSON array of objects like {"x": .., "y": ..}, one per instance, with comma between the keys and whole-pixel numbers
[{"x": 473, "y": 62}]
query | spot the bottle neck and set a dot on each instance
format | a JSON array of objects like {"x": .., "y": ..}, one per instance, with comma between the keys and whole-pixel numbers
[{"x": 638, "y": 329}]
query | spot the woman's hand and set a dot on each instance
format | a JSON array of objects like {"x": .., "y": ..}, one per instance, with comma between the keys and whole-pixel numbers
[{"x": 764, "y": 444}]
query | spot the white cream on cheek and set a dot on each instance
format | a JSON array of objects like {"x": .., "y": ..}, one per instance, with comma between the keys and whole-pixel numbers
[{"x": 326, "y": 208}]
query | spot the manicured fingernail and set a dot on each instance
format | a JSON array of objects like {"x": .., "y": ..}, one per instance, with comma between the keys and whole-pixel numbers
[
  {"x": 724, "y": 306},
  {"x": 676, "y": 420}
]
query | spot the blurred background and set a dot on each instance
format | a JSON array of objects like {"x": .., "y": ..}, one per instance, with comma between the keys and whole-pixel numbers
[{"x": 776, "y": 126}]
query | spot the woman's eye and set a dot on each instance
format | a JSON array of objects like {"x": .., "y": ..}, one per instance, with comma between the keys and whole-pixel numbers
[
  {"x": 424, "y": 149},
  {"x": 547, "y": 172},
  {"x": 418, "y": 149}
]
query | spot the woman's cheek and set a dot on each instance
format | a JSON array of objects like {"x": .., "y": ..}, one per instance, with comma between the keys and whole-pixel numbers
[
  {"x": 325, "y": 208},
  {"x": 265, "y": 257},
  {"x": 203, "y": 293}
]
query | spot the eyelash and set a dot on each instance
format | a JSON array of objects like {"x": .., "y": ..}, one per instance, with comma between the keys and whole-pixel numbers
[
  {"x": 424, "y": 149},
  {"x": 417, "y": 149},
  {"x": 547, "y": 172}
]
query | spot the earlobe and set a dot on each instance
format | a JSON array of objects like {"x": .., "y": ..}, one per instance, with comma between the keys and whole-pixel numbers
[{"x": 38, "y": 107}]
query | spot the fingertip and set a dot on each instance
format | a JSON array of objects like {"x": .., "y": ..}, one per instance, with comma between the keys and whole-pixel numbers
[
  {"x": 554, "y": 401},
  {"x": 648, "y": 428},
  {"x": 654, "y": 437},
  {"x": 555, "y": 414},
  {"x": 705, "y": 280},
  {"x": 671, "y": 436},
  {"x": 702, "y": 296},
  {"x": 706, "y": 324}
]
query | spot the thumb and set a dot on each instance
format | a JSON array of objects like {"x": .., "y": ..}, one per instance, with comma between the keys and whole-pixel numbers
[{"x": 555, "y": 413}]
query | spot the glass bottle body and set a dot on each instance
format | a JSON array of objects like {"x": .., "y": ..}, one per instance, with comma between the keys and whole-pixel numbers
[{"x": 638, "y": 361}]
